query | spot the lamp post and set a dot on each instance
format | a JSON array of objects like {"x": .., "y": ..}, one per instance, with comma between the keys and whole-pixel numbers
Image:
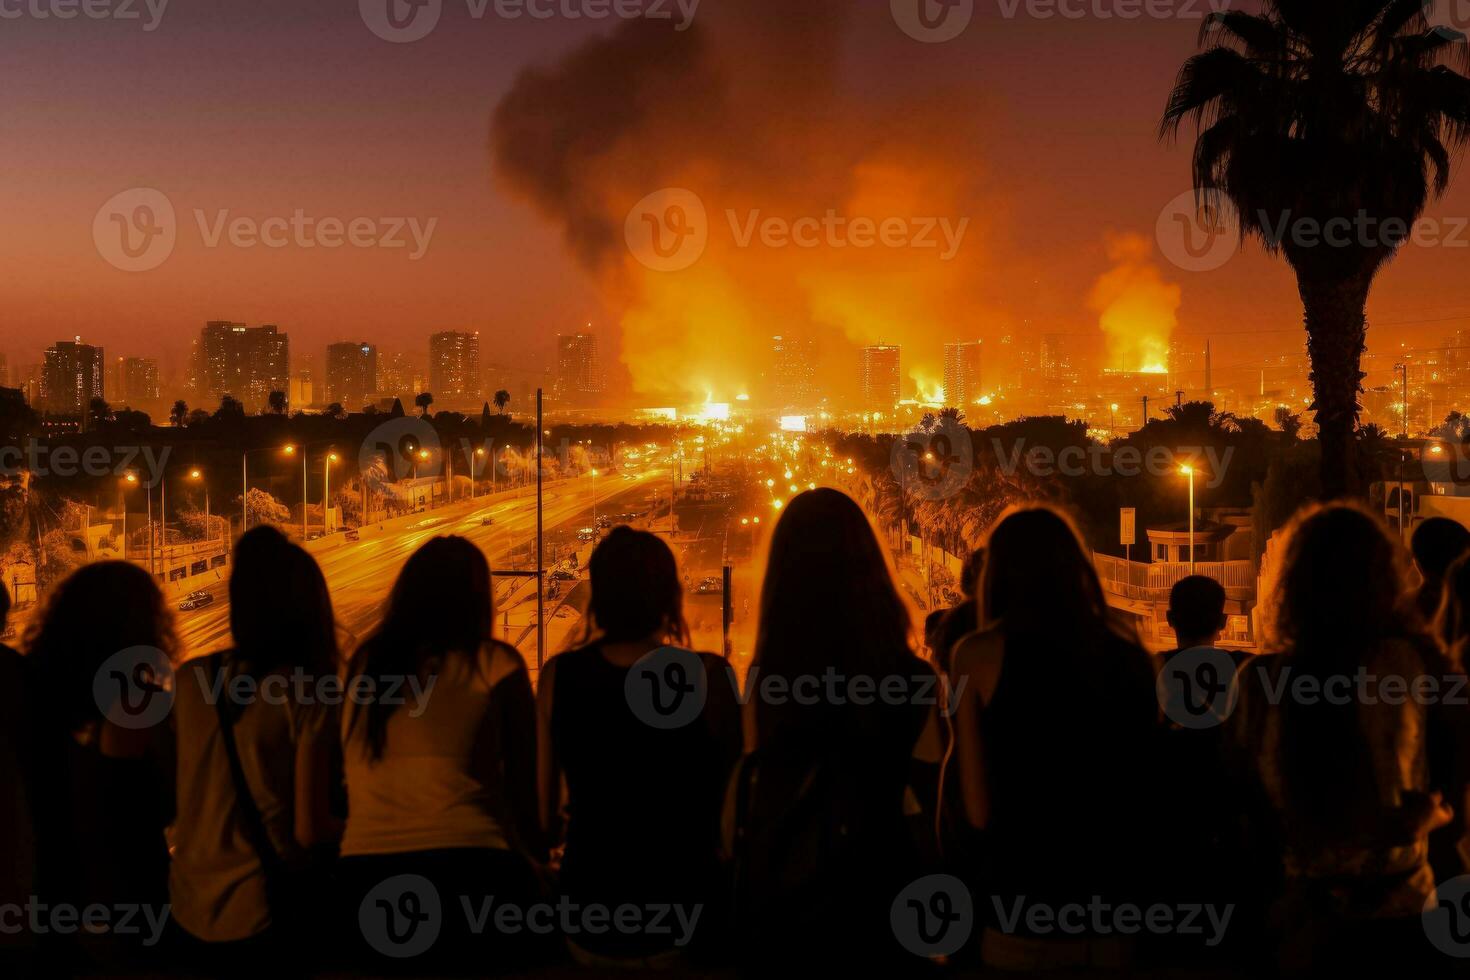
[
  {"x": 131, "y": 479},
  {"x": 1189, "y": 472},
  {"x": 198, "y": 475},
  {"x": 327, "y": 462}
]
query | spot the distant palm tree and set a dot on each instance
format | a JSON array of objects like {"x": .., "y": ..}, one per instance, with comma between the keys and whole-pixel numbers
[
  {"x": 277, "y": 403},
  {"x": 502, "y": 399},
  {"x": 423, "y": 400},
  {"x": 1319, "y": 115},
  {"x": 179, "y": 413}
]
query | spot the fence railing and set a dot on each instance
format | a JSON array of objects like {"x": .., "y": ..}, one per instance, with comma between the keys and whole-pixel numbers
[{"x": 1152, "y": 582}]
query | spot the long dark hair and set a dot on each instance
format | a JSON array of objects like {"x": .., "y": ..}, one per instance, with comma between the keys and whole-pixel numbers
[
  {"x": 441, "y": 605},
  {"x": 828, "y": 602},
  {"x": 1038, "y": 577},
  {"x": 100, "y": 610},
  {"x": 1452, "y": 624},
  {"x": 636, "y": 591},
  {"x": 1344, "y": 594},
  {"x": 280, "y": 610}
]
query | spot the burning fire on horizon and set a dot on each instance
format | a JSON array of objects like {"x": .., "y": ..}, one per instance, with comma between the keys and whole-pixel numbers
[{"x": 756, "y": 125}]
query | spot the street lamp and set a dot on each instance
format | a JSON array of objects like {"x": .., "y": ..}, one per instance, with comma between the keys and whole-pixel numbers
[
  {"x": 1188, "y": 471},
  {"x": 129, "y": 480},
  {"x": 198, "y": 476},
  {"x": 327, "y": 489}
]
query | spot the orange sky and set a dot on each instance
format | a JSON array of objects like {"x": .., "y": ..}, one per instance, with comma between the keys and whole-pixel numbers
[{"x": 264, "y": 108}]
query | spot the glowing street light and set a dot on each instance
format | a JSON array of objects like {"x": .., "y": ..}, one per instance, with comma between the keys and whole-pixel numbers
[{"x": 197, "y": 475}]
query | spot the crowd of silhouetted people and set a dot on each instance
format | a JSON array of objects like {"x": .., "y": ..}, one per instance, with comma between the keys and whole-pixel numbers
[{"x": 1013, "y": 791}]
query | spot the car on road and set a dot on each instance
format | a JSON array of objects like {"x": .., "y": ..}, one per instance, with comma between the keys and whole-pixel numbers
[
  {"x": 709, "y": 585},
  {"x": 196, "y": 601},
  {"x": 563, "y": 575},
  {"x": 197, "y": 594},
  {"x": 353, "y": 536},
  {"x": 488, "y": 522},
  {"x": 586, "y": 534}
]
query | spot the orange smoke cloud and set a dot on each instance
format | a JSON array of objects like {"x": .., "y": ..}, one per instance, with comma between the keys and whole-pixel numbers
[
  {"x": 1137, "y": 309},
  {"x": 823, "y": 216}
]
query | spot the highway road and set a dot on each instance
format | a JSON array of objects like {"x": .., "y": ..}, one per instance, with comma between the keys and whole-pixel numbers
[{"x": 360, "y": 574}]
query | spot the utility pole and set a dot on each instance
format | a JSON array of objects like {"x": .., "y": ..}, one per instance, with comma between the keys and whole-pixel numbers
[
  {"x": 540, "y": 545},
  {"x": 1178, "y": 399},
  {"x": 1403, "y": 370},
  {"x": 1145, "y": 410}
]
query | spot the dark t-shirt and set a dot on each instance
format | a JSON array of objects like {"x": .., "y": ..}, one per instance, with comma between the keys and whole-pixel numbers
[
  {"x": 643, "y": 807},
  {"x": 1071, "y": 737}
]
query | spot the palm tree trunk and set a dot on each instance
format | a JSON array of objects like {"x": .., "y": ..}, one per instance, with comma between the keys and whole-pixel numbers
[{"x": 1337, "y": 325}]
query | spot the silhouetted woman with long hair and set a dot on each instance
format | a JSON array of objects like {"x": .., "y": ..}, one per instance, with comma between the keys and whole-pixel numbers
[
  {"x": 441, "y": 755},
  {"x": 1345, "y": 779},
  {"x": 845, "y": 720},
  {"x": 98, "y": 661},
  {"x": 242, "y": 873},
  {"x": 1055, "y": 720},
  {"x": 635, "y": 799}
]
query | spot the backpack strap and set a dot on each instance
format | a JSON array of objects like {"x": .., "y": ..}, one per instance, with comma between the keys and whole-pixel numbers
[{"x": 251, "y": 821}]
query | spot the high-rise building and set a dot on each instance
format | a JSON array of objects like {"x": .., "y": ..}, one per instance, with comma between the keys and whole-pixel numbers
[
  {"x": 454, "y": 369},
  {"x": 132, "y": 381},
  {"x": 578, "y": 372},
  {"x": 1056, "y": 359},
  {"x": 352, "y": 374},
  {"x": 962, "y": 373},
  {"x": 882, "y": 385},
  {"x": 71, "y": 377},
  {"x": 793, "y": 374},
  {"x": 401, "y": 376},
  {"x": 246, "y": 362},
  {"x": 4, "y": 371}
]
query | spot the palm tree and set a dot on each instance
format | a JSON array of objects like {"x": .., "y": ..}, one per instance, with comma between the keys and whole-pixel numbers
[
  {"x": 178, "y": 413},
  {"x": 502, "y": 399},
  {"x": 1318, "y": 115},
  {"x": 277, "y": 403},
  {"x": 422, "y": 401}
]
